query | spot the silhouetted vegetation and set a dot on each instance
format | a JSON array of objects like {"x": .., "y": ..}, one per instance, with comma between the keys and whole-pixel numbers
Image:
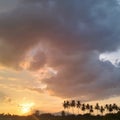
[
  {"x": 90, "y": 109},
  {"x": 48, "y": 116},
  {"x": 74, "y": 110}
]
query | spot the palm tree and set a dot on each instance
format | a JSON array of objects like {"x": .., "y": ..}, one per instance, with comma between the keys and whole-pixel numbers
[
  {"x": 68, "y": 105},
  {"x": 91, "y": 109},
  {"x": 83, "y": 108},
  {"x": 78, "y": 105},
  {"x": 115, "y": 107},
  {"x": 64, "y": 105},
  {"x": 110, "y": 108},
  {"x": 88, "y": 107},
  {"x": 73, "y": 104},
  {"x": 107, "y": 107},
  {"x": 97, "y": 107},
  {"x": 102, "y": 110}
]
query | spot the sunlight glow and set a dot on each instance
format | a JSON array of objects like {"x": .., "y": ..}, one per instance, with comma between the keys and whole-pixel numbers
[{"x": 26, "y": 108}]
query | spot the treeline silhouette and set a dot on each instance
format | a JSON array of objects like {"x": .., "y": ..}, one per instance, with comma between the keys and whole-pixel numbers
[
  {"x": 83, "y": 112},
  {"x": 87, "y": 108}
]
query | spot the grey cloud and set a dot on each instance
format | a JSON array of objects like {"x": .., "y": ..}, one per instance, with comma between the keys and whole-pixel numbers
[
  {"x": 39, "y": 60},
  {"x": 6, "y": 5},
  {"x": 73, "y": 33},
  {"x": 88, "y": 77}
]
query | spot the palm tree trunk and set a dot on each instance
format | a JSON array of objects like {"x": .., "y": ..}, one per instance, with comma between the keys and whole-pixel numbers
[
  {"x": 78, "y": 111},
  {"x": 73, "y": 110}
]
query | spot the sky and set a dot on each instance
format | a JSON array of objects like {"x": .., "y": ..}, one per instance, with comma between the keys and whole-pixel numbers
[{"x": 53, "y": 50}]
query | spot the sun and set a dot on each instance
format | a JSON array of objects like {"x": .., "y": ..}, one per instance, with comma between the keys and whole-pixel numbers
[{"x": 26, "y": 108}]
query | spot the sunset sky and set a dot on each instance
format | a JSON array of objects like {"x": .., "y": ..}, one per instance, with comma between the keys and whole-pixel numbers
[{"x": 53, "y": 50}]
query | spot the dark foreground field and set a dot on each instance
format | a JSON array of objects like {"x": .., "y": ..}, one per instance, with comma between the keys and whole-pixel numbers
[{"x": 52, "y": 117}]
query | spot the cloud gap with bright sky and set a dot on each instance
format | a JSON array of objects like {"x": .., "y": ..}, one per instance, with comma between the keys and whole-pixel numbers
[{"x": 51, "y": 50}]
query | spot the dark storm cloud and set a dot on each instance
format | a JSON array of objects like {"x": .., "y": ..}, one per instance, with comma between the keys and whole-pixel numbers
[
  {"x": 85, "y": 77},
  {"x": 72, "y": 33}
]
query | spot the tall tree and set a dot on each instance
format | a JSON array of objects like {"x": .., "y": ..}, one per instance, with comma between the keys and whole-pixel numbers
[
  {"x": 115, "y": 108},
  {"x": 107, "y": 108},
  {"x": 78, "y": 105},
  {"x": 88, "y": 107},
  {"x": 91, "y": 109},
  {"x": 68, "y": 106},
  {"x": 97, "y": 107},
  {"x": 83, "y": 108},
  {"x": 65, "y": 105},
  {"x": 102, "y": 109},
  {"x": 110, "y": 108},
  {"x": 73, "y": 104}
]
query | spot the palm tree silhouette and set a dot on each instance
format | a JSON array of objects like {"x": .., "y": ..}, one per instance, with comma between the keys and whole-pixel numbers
[
  {"x": 115, "y": 108},
  {"x": 68, "y": 105},
  {"x": 88, "y": 107},
  {"x": 83, "y": 108},
  {"x": 91, "y": 109},
  {"x": 64, "y": 105},
  {"x": 73, "y": 104},
  {"x": 110, "y": 108},
  {"x": 107, "y": 108},
  {"x": 78, "y": 105},
  {"x": 97, "y": 107},
  {"x": 102, "y": 110}
]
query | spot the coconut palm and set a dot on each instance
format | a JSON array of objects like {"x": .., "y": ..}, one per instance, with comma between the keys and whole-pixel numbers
[
  {"x": 91, "y": 109},
  {"x": 115, "y": 108},
  {"x": 110, "y": 108},
  {"x": 78, "y": 105},
  {"x": 64, "y": 105},
  {"x": 68, "y": 105},
  {"x": 88, "y": 107},
  {"x": 107, "y": 108},
  {"x": 102, "y": 110},
  {"x": 73, "y": 104},
  {"x": 97, "y": 107},
  {"x": 83, "y": 108}
]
